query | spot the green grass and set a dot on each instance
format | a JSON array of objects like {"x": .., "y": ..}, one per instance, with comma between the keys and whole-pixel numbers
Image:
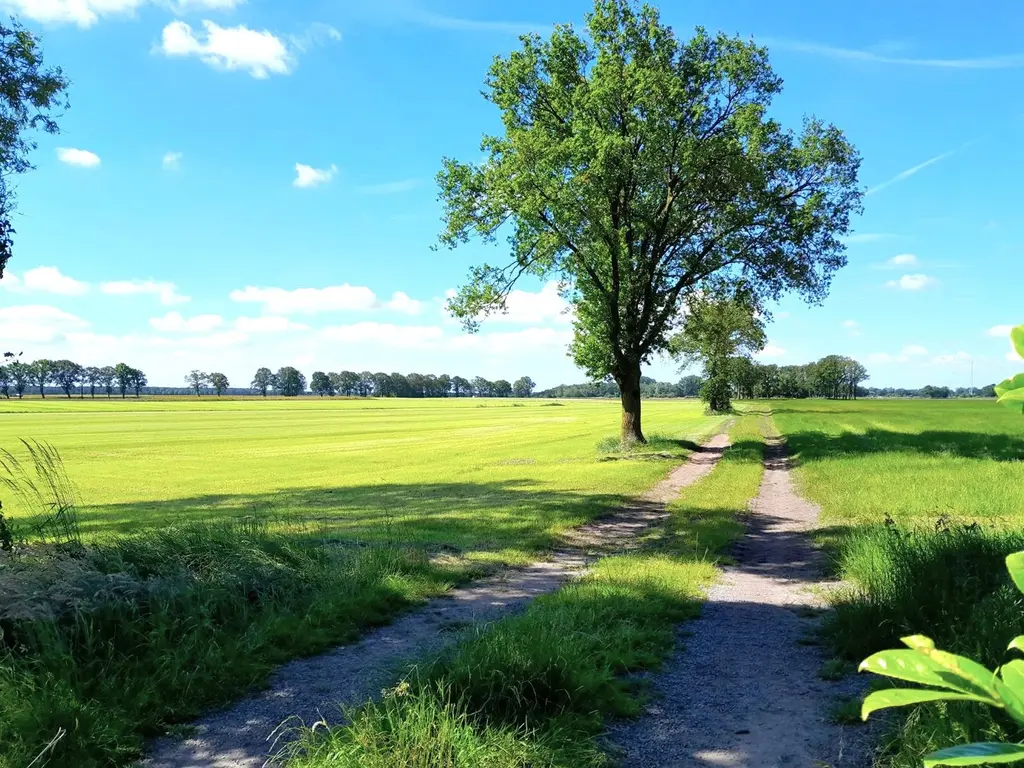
[
  {"x": 332, "y": 517},
  {"x": 481, "y": 476},
  {"x": 922, "y": 502},
  {"x": 535, "y": 689}
]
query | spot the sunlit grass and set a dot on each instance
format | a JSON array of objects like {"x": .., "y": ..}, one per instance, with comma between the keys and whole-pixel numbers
[
  {"x": 496, "y": 479},
  {"x": 922, "y": 501}
]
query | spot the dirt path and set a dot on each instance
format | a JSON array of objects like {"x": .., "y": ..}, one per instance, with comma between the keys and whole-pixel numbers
[
  {"x": 744, "y": 691},
  {"x": 313, "y": 688}
]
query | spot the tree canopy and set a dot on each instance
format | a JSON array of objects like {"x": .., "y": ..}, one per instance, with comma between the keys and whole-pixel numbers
[
  {"x": 31, "y": 97},
  {"x": 638, "y": 169}
]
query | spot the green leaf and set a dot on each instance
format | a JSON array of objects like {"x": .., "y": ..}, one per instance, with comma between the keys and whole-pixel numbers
[
  {"x": 980, "y": 753},
  {"x": 1017, "y": 337},
  {"x": 927, "y": 666},
  {"x": 1017, "y": 643},
  {"x": 1015, "y": 565},
  {"x": 902, "y": 697},
  {"x": 1010, "y": 385}
]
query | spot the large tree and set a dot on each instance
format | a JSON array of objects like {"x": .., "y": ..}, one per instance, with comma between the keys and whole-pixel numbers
[
  {"x": 320, "y": 384},
  {"x": 21, "y": 374},
  {"x": 290, "y": 382},
  {"x": 219, "y": 382},
  {"x": 262, "y": 381},
  {"x": 67, "y": 374},
  {"x": 124, "y": 376},
  {"x": 137, "y": 380},
  {"x": 196, "y": 379},
  {"x": 5, "y": 381},
  {"x": 107, "y": 379},
  {"x": 31, "y": 97},
  {"x": 523, "y": 387},
  {"x": 637, "y": 170},
  {"x": 40, "y": 374},
  {"x": 718, "y": 333}
]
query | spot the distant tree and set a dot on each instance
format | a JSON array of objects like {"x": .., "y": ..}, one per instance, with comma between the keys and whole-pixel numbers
[
  {"x": 21, "y": 376},
  {"x": 716, "y": 330},
  {"x": 382, "y": 386},
  {"x": 107, "y": 377},
  {"x": 399, "y": 385},
  {"x": 219, "y": 382},
  {"x": 523, "y": 387},
  {"x": 262, "y": 381},
  {"x": 290, "y": 382},
  {"x": 689, "y": 386},
  {"x": 416, "y": 384},
  {"x": 137, "y": 380},
  {"x": 444, "y": 385},
  {"x": 989, "y": 390},
  {"x": 67, "y": 374},
  {"x": 124, "y": 375},
  {"x": 196, "y": 379},
  {"x": 855, "y": 374},
  {"x": 41, "y": 372},
  {"x": 461, "y": 386},
  {"x": 481, "y": 387},
  {"x": 5, "y": 381},
  {"x": 336, "y": 383},
  {"x": 501, "y": 388},
  {"x": 93, "y": 376},
  {"x": 31, "y": 97},
  {"x": 320, "y": 384},
  {"x": 366, "y": 384}
]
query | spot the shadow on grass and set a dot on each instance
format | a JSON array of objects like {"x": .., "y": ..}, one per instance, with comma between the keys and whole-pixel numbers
[
  {"x": 514, "y": 513},
  {"x": 814, "y": 445}
]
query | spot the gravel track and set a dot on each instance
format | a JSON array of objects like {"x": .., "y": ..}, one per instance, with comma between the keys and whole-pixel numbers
[
  {"x": 308, "y": 690},
  {"x": 743, "y": 691}
]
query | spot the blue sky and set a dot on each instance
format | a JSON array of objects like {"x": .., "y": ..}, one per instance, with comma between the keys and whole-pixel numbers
[{"x": 249, "y": 182}]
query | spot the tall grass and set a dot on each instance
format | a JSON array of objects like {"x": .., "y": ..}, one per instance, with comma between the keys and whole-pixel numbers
[{"x": 948, "y": 581}]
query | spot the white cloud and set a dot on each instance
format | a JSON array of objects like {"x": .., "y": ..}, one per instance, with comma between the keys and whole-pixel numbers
[
  {"x": 914, "y": 350},
  {"x": 308, "y": 176},
  {"x": 186, "y": 6},
  {"x": 512, "y": 342},
  {"x": 771, "y": 350},
  {"x": 83, "y": 158},
  {"x": 852, "y": 327},
  {"x": 909, "y": 353},
  {"x": 958, "y": 357},
  {"x": 44, "y": 280},
  {"x": 385, "y": 334},
  {"x": 400, "y": 302},
  {"x": 999, "y": 331},
  {"x": 1011, "y": 61},
  {"x": 308, "y": 301},
  {"x": 168, "y": 292},
  {"x": 913, "y": 282},
  {"x": 532, "y": 307},
  {"x": 260, "y": 53},
  {"x": 316, "y": 34},
  {"x": 268, "y": 324},
  {"x": 903, "y": 260},
  {"x": 1012, "y": 356},
  {"x": 36, "y": 323},
  {"x": 172, "y": 161},
  {"x": 173, "y": 322},
  {"x": 84, "y": 13}
]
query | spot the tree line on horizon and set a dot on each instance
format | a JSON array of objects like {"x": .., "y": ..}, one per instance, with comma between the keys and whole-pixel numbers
[
  {"x": 834, "y": 377},
  {"x": 68, "y": 376}
]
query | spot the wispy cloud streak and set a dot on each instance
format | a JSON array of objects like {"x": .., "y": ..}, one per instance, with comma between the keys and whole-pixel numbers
[{"x": 1009, "y": 61}]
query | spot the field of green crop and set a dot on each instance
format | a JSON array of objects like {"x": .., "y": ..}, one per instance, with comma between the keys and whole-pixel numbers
[
  {"x": 922, "y": 501},
  {"x": 498, "y": 478}
]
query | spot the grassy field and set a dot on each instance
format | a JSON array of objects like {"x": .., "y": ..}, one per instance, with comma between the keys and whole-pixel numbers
[
  {"x": 205, "y": 521},
  {"x": 922, "y": 500},
  {"x": 499, "y": 478}
]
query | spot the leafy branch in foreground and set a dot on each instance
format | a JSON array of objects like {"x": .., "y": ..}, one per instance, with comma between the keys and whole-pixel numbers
[{"x": 956, "y": 678}]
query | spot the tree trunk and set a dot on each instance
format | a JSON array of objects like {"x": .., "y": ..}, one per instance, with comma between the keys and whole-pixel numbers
[{"x": 629, "y": 391}]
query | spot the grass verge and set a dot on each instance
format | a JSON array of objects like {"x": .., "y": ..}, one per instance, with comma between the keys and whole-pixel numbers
[
  {"x": 535, "y": 689},
  {"x": 948, "y": 582},
  {"x": 116, "y": 642}
]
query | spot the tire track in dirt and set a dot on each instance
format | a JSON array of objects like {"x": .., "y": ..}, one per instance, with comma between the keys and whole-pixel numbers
[
  {"x": 307, "y": 690},
  {"x": 743, "y": 691}
]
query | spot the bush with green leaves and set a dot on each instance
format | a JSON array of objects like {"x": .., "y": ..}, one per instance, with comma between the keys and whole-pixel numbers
[{"x": 955, "y": 678}]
